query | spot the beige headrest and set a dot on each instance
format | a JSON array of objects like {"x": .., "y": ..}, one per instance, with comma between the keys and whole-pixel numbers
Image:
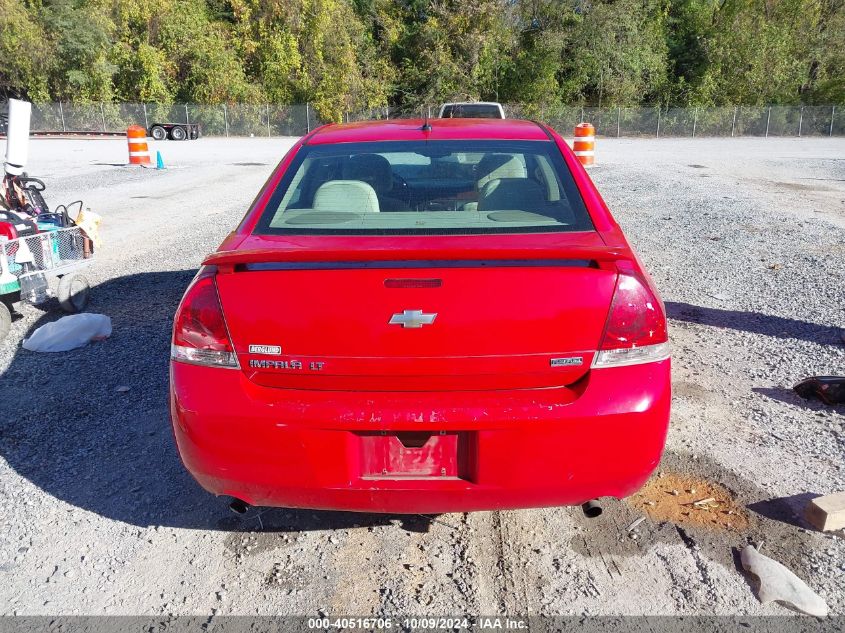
[
  {"x": 346, "y": 195},
  {"x": 494, "y": 166}
]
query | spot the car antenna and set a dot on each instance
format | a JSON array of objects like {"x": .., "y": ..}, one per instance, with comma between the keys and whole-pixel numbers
[{"x": 426, "y": 126}]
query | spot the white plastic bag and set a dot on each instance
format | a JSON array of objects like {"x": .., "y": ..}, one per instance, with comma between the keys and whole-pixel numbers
[{"x": 69, "y": 332}]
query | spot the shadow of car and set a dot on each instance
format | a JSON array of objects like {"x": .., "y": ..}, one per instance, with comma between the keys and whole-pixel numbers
[{"x": 66, "y": 429}]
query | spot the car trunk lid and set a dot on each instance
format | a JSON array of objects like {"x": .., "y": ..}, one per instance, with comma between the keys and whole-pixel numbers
[{"x": 415, "y": 324}]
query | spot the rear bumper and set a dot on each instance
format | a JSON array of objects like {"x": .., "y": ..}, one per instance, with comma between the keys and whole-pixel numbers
[{"x": 528, "y": 448}]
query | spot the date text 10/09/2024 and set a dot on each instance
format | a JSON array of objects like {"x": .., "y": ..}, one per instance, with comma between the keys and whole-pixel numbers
[{"x": 417, "y": 623}]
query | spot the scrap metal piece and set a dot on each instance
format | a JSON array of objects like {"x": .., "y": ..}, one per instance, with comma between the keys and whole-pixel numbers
[{"x": 828, "y": 389}]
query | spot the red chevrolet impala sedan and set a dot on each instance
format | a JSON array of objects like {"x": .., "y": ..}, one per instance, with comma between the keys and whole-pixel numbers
[{"x": 422, "y": 317}]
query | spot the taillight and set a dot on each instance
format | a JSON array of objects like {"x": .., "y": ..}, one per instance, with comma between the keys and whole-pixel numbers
[
  {"x": 636, "y": 326},
  {"x": 200, "y": 335}
]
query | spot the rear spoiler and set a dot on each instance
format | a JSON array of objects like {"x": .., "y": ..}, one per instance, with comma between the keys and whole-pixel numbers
[{"x": 228, "y": 260}]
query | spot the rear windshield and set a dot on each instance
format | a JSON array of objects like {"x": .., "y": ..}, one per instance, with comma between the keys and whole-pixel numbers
[
  {"x": 470, "y": 111},
  {"x": 425, "y": 188}
]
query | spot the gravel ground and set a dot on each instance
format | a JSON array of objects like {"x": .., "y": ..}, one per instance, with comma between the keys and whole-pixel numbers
[{"x": 744, "y": 237}]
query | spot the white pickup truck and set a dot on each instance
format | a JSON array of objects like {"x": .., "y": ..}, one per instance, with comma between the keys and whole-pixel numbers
[{"x": 472, "y": 110}]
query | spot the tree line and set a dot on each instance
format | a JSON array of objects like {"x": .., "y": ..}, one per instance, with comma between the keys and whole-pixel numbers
[{"x": 346, "y": 55}]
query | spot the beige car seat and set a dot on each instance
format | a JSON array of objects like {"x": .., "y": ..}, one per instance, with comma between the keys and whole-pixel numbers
[
  {"x": 352, "y": 196},
  {"x": 496, "y": 167},
  {"x": 511, "y": 194}
]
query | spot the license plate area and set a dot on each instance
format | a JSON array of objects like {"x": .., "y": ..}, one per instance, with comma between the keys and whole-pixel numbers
[{"x": 413, "y": 455}]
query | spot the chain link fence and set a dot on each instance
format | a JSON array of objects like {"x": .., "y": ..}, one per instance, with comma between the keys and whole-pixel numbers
[
  {"x": 215, "y": 120},
  {"x": 296, "y": 120}
]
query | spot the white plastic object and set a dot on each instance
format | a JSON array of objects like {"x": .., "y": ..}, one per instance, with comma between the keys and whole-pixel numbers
[
  {"x": 69, "y": 332},
  {"x": 24, "y": 255},
  {"x": 777, "y": 583},
  {"x": 17, "y": 136}
]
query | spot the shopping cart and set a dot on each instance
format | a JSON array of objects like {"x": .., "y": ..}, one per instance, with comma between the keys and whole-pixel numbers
[{"x": 27, "y": 264}]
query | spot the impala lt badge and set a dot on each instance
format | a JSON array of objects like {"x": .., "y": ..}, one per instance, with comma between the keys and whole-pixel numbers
[{"x": 412, "y": 318}]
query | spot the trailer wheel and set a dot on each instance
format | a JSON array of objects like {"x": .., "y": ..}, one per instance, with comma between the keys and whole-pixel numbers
[
  {"x": 73, "y": 293},
  {"x": 177, "y": 133},
  {"x": 5, "y": 320},
  {"x": 158, "y": 133}
]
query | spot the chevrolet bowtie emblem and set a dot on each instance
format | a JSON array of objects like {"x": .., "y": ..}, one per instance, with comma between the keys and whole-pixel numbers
[{"x": 412, "y": 318}]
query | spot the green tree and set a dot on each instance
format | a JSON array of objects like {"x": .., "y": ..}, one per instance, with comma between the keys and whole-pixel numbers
[
  {"x": 688, "y": 22},
  {"x": 26, "y": 53},
  {"x": 616, "y": 53},
  {"x": 825, "y": 82},
  {"x": 757, "y": 51},
  {"x": 345, "y": 55},
  {"x": 312, "y": 50},
  {"x": 80, "y": 36},
  {"x": 450, "y": 49}
]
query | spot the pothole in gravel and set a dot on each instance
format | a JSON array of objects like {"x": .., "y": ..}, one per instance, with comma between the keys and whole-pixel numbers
[
  {"x": 244, "y": 544},
  {"x": 691, "y": 391},
  {"x": 756, "y": 517},
  {"x": 797, "y": 186},
  {"x": 287, "y": 578}
]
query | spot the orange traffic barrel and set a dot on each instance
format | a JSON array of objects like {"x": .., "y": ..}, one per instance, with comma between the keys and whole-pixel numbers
[
  {"x": 139, "y": 153},
  {"x": 585, "y": 143}
]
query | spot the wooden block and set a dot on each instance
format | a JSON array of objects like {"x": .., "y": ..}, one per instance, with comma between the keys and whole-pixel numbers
[{"x": 827, "y": 513}]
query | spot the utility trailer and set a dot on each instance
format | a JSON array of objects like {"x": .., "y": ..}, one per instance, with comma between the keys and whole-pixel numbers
[{"x": 174, "y": 131}]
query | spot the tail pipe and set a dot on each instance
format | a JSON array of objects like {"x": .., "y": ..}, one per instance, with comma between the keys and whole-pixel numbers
[
  {"x": 591, "y": 509},
  {"x": 238, "y": 507}
]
